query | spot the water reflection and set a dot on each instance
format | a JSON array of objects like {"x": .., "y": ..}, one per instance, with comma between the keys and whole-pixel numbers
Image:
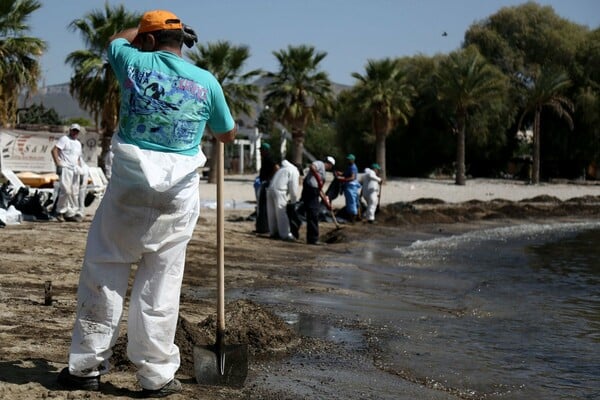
[{"x": 316, "y": 327}]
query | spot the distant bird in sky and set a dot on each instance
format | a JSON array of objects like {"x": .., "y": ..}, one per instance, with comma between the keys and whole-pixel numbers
[{"x": 444, "y": 34}]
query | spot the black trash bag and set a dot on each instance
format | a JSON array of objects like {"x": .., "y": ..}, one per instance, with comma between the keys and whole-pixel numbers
[
  {"x": 33, "y": 205},
  {"x": 18, "y": 198},
  {"x": 325, "y": 213},
  {"x": 89, "y": 199},
  {"x": 343, "y": 216},
  {"x": 5, "y": 196},
  {"x": 334, "y": 190}
]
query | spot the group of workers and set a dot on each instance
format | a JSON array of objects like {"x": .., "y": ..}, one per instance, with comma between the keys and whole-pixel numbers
[
  {"x": 367, "y": 186},
  {"x": 278, "y": 190}
]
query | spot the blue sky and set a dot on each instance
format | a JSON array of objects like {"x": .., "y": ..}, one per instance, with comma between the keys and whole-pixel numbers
[{"x": 350, "y": 31}]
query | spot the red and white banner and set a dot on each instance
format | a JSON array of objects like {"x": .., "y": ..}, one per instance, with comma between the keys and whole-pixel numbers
[{"x": 31, "y": 151}]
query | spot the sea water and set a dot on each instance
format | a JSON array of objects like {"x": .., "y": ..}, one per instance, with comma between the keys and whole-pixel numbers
[
  {"x": 511, "y": 312},
  {"x": 489, "y": 313}
]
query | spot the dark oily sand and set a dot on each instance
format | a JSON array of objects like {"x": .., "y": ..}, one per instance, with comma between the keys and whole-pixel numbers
[{"x": 246, "y": 323}]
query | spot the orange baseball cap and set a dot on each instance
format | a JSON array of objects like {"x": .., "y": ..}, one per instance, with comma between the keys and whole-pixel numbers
[{"x": 158, "y": 20}]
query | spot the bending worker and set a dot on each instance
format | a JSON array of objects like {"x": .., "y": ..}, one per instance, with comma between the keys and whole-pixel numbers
[
  {"x": 150, "y": 207},
  {"x": 312, "y": 191},
  {"x": 285, "y": 182}
]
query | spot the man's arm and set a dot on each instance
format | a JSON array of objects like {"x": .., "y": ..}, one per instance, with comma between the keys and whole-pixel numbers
[
  {"x": 372, "y": 175},
  {"x": 227, "y": 136},
  {"x": 128, "y": 34},
  {"x": 55, "y": 156},
  {"x": 317, "y": 175}
]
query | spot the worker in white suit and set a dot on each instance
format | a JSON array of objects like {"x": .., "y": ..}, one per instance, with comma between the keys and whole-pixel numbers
[
  {"x": 284, "y": 188},
  {"x": 150, "y": 208},
  {"x": 371, "y": 183},
  {"x": 67, "y": 156}
]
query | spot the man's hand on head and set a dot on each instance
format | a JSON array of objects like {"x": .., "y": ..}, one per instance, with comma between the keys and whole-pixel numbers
[{"x": 189, "y": 36}]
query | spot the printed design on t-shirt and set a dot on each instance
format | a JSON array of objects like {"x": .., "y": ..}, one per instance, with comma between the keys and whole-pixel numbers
[{"x": 164, "y": 110}]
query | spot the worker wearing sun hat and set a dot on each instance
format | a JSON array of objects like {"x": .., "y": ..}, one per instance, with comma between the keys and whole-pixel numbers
[
  {"x": 371, "y": 183},
  {"x": 351, "y": 187},
  {"x": 66, "y": 154},
  {"x": 150, "y": 208}
]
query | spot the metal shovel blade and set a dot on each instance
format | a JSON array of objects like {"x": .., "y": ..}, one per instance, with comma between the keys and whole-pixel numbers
[{"x": 224, "y": 366}]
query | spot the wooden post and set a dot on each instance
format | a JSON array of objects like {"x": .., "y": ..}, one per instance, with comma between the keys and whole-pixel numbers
[{"x": 48, "y": 293}]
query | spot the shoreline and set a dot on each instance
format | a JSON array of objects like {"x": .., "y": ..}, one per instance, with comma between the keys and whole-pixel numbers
[
  {"x": 240, "y": 189},
  {"x": 35, "y": 337}
]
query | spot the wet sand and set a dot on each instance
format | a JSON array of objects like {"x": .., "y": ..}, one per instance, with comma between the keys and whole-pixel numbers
[{"x": 285, "y": 363}]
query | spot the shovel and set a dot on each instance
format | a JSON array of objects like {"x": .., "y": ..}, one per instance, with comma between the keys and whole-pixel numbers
[
  {"x": 336, "y": 235},
  {"x": 324, "y": 197},
  {"x": 221, "y": 364}
]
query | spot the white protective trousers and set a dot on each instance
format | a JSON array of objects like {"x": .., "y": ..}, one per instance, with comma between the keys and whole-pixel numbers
[
  {"x": 146, "y": 217},
  {"x": 279, "y": 223},
  {"x": 68, "y": 192},
  {"x": 371, "y": 196}
]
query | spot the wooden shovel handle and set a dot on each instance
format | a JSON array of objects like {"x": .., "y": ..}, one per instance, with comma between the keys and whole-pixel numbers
[
  {"x": 220, "y": 242},
  {"x": 330, "y": 207}
]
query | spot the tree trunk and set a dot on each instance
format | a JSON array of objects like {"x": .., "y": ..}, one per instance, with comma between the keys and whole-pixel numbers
[
  {"x": 460, "y": 178},
  {"x": 297, "y": 147},
  {"x": 105, "y": 140},
  {"x": 108, "y": 126},
  {"x": 535, "y": 175},
  {"x": 380, "y": 153}
]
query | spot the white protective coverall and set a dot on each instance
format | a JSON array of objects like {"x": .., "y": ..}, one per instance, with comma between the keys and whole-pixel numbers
[
  {"x": 286, "y": 181},
  {"x": 370, "y": 192},
  {"x": 68, "y": 184},
  {"x": 146, "y": 217}
]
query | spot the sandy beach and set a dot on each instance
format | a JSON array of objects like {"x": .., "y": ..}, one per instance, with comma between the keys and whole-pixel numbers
[
  {"x": 34, "y": 337},
  {"x": 239, "y": 188}
]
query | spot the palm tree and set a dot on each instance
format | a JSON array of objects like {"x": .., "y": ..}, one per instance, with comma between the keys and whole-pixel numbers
[
  {"x": 93, "y": 82},
  {"x": 299, "y": 93},
  {"x": 466, "y": 82},
  {"x": 385, "y": 95},
  {"x": 545, "y": 90},
  {"x": 225, "y": 62},
  {"x": 19, "y": 66}
]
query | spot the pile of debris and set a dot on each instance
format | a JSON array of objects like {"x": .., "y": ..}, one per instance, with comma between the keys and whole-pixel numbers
[{"x": 22, "y": 204}]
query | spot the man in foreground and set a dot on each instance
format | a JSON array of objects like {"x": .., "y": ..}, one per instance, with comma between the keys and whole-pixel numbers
[{"x": 150, "y": 208}]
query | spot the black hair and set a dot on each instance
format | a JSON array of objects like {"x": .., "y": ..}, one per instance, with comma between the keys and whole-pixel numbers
[{"x": 169, "y": 37}]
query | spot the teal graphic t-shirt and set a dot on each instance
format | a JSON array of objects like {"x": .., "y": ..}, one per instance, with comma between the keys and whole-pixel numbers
[{"x": 166, "y": 101}]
